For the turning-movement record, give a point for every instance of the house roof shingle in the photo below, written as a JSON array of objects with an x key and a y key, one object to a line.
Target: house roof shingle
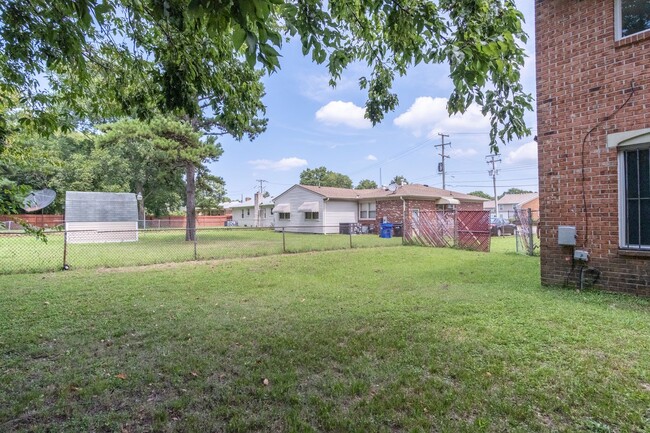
[{"x": 412, "y": 191}]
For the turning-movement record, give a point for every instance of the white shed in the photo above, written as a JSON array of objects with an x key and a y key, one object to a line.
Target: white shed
[{"x": 96, "y": 217}]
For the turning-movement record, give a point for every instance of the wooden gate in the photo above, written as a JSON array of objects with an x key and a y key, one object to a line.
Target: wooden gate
[
  {"x": 463, "y": 229},
  {"x": 473, "y": 230}
]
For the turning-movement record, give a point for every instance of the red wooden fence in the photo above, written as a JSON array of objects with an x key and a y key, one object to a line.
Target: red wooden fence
[{"x": 49, "y": 221}]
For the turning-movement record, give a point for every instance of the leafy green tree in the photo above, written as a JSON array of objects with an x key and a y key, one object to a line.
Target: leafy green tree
[
  {"x": 321, "y": 176},
  {"x": 481, "y": 42},
  {"x": 142, "y": 166},
  {"x": 367, "y": 184},
  {"x": 481, "y": 194},
  {"x": 515, "y": 191},
  {"x": 182, "y": 57},
  {"x": 210, "y": 192},
  {"x": 399, "y": 180}
]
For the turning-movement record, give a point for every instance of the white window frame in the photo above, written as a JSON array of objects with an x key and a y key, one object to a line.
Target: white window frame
[
  {"x": 284, "y": 216},
  {"x": 311, "y": 216},
  {"x": 623, "y": 141},
  {"x": 370, "y": 209},
  {"x": 618, "y": 22}
]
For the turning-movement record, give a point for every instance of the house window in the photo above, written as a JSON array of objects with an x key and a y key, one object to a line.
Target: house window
[
  {"x": 284, "y": 215},
  {"x": 368, "y": 210},
  {"x": 635, "y": 199},
  {"x": 311, "y": 215},
  {"x": 248, "y": 212},
  {"x": 631, "y": 17},
  {"x": 242, "y": 213}
]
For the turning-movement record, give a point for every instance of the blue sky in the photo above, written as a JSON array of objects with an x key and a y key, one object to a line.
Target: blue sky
[{"x": 312, "y": 125}]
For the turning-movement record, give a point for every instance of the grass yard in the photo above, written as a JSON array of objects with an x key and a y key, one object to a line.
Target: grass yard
[
  {"x": 362, "y": 340},
  {"x": 21, "y": 253}
]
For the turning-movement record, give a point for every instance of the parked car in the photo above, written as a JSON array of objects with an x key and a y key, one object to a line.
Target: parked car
[{"x": 501, "y": 226}]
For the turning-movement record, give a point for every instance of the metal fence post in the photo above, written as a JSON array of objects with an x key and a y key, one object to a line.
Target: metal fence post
[
  {"x": 350, "y": 236},
  {"x": 531, "y": 244},
  {"x": 195, "y": 255},
  {"x": 65, "y": 250},
  {"x": 284, "y": 244}
]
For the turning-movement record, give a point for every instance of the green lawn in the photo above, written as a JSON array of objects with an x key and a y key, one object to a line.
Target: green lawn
[
  {"x": 21, "y": 253},
  {"x": 365, "y": 340}
]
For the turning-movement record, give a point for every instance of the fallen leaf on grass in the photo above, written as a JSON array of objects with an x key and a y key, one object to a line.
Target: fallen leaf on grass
[
  {"x": 121, "y": 376},
  {"x": 265, "y": 382},
  {"x": 194, "y": 373}
]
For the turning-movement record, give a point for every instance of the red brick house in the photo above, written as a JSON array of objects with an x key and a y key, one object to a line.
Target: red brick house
[
  {"x": 316, "y": 209},
  {"x": 593, "y": 91}
]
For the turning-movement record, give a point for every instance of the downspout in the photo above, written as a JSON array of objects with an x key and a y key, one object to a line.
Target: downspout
[
  {"x": 403, "y": 218},
  {"x": 324, "y": 213}
]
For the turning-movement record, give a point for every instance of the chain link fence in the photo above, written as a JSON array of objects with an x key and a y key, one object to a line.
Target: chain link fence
[
  {"x": 23, "y": 253},
  {"x": 526, "y": 233}
]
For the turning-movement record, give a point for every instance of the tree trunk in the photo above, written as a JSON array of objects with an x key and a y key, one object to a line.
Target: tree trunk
[{"x": 190, "y": 204}]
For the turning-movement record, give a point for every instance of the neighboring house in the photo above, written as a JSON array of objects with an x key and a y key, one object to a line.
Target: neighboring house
[
  {"x": 509, "y": 202},
  {"x": 253, "y": 212},
  {"x": 227, "y": 207},
  {"x": 314, "y": 209},
  {"x": 593, "y": 91}
]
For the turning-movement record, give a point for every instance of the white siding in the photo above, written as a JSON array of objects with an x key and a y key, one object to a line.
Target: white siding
[
  {"x": 337, "y": 212},
  {"x": 249, "y": 220},
  {"x": 100, "y": 232},
  {"x": 296, "y": 196}
]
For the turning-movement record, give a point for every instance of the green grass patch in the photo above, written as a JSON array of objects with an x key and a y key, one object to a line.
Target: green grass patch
[
  {"x": 381, "y": 340},
  {"x": 20, "y": 253}
]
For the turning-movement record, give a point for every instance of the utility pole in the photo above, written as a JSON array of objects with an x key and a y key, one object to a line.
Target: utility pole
[
  {"x": 493, "y": 172},
  {"x": 261, "y": 181},
  {"x": 441, "y": 166}
]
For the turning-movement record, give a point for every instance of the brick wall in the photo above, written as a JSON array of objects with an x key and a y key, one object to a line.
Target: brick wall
[
  {"x": 393, "y": 209},
  {"x": 470, "y": 206},
  {"x": 583, "y": 76}
]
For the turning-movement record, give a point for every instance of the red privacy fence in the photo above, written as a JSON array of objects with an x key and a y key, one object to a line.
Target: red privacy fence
[{"x": 50, "y": 221}]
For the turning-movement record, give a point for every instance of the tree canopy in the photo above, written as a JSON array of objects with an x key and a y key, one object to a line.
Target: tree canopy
[
  {"x": 367, "y": 184},
  {"x": 515, "y": 191},
  {"x": 158, "y": 42},
  {"x": 321, "y": 176},
  {"x": 481, "y": 194},
  {"x": 66, "y": 60},
  {"x": 399, "y": 180}
]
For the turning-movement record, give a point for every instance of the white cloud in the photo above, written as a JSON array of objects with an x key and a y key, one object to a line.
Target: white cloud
[
  {"x": 462, "y": 153},
  {"x": 283, "y": 164},
  {"x": 371, "y": 157},
  {"x": 524, "y": 153},
  {"x": 343, "y": 113},
  {"x": 429, "y": 116}
]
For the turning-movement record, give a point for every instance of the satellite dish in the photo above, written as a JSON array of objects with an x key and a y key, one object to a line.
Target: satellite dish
[
  {"x": 392, "y": 187},
  {"x": 37, "y": 200}
]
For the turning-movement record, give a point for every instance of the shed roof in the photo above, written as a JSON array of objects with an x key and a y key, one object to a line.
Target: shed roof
[{"x": 90, "y": 206}]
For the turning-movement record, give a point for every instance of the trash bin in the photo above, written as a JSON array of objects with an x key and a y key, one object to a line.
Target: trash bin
[
  {"x": 398, "y": 230},
  {"x": 386, "y": 231}
]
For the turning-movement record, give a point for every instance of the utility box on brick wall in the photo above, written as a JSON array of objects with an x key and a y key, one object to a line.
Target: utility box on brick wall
[{"x": 566, "y": 235}]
